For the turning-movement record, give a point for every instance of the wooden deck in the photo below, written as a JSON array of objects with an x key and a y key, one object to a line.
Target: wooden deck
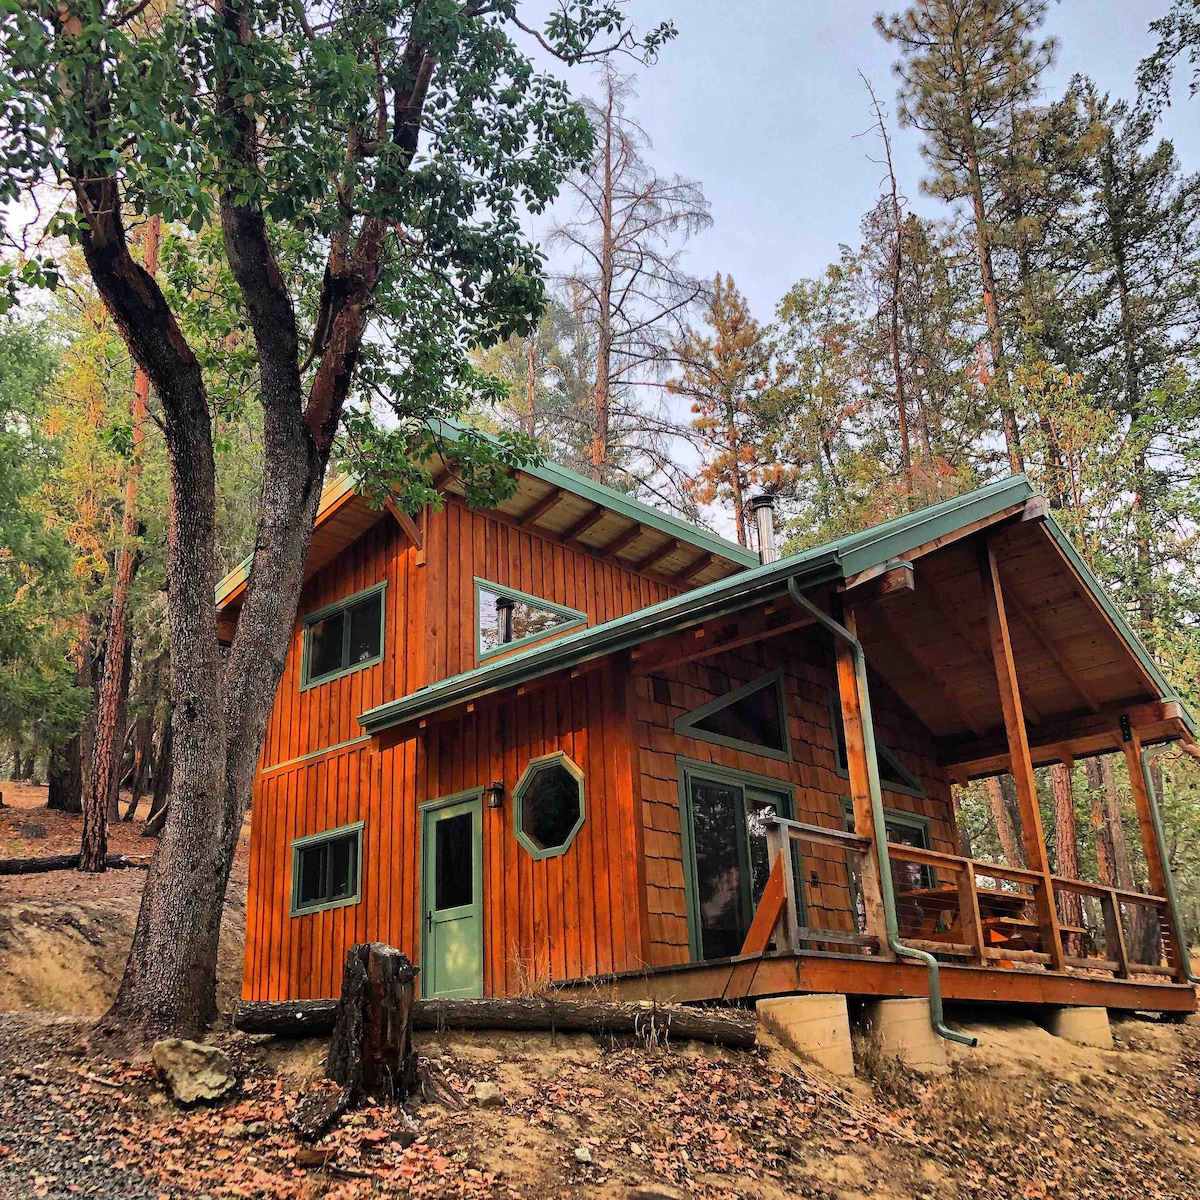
[{"x": 751, "y": 976}]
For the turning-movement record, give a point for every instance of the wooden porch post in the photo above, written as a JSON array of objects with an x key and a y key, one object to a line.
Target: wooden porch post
[
  {"x": 1156, "y": 870},
  {"x": 860, "y": 792},
  {"x": 1018, "y": 750}
]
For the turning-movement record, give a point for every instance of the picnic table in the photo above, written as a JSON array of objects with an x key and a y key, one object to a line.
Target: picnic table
[{"x": 1001, "y": 914}]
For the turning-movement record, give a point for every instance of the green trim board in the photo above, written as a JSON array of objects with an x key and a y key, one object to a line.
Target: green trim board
[
  {"x": 303, "y": 758},
  {"x": 689, "y": 724},
  {"x": 902, "y": 779},
  {"x": 572, "y": 618},
  {"x": 833, "y": 563},
  {"x": 300, "y": 844},
  {"x": 463, "y": 923},
  {"x": 343, "y": 605},
  {"x": 1113, "y": 613},
  {"x": 689, "y": 769},
  {"x": 533, "y": 768}
]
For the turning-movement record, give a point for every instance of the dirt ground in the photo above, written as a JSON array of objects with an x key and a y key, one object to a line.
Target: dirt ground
[
  {"x": 1024, "y": 1116},
  {"x": 64, "y": 935}
]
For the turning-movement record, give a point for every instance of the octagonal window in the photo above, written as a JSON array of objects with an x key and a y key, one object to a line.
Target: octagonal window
[{"x": 548, "y": 805}]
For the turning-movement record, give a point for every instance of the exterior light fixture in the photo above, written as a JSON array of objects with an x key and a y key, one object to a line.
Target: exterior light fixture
[{"x": 494, "y": 793}]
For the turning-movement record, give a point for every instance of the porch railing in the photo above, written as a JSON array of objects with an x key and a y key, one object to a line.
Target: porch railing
[
  {"x": 780, "y": 911},
  {"x": 962, "y": 909}
]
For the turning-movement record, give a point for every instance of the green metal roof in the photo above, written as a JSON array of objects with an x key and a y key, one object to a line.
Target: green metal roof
[
  {"x": 619, "y": 502},
  {"x": 833, "y": 561},
  {"x": 555, "y": 476}
]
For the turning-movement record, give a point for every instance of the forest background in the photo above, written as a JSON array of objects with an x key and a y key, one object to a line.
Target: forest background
[{"x": 1024, "y": 296}]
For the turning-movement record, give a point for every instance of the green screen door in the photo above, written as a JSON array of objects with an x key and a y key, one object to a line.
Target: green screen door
[{"x": 452, "y": 887}]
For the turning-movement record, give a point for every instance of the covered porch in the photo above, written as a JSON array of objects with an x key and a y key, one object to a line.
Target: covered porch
[{"x": 999, "y": 640}]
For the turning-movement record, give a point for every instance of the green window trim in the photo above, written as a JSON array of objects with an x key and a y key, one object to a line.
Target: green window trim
[
  {"x": 534, "y": 767},
  {"x": 910, "y": 787},
  {"x": 313, "y": 839},
  {"x": 685, "y": 725},
  {"x": 686, "y": 770},
  {"x": 572, "y": 618},
  {"x": 895, "y": 816},
  {"x": 310, "y": 619}
]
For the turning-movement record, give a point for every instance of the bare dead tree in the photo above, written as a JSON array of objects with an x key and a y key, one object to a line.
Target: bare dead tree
[{"x": 626, "y": 232}]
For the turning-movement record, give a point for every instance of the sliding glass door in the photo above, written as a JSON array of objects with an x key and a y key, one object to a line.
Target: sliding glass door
[{"x": 725, "y": 851}]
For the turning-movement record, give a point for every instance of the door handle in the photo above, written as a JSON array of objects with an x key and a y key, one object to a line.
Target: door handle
[{"x": 429, "y": 921}]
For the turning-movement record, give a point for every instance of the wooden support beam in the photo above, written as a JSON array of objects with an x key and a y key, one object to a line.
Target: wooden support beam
[
  {"x": 1052, "y": 652},
  {"x": 968, "y": 912},
  {"x": 406, "y": 523},
  {"x": 770, "y": 908},
  {"x": 860, "y": 789},
  {"x": 623, "y": 539},
  {"x": 1076, "y": 737},
  {"x": 594, "y": 517},
  {"x": 680, "y": 578},
  {"x": 541, "y": 507},
  {"x": 657, "y": 555},
  {"x": 442, "y": 478},
  {"x": 924, "y": 663},
  {"x": 1114, "y": 933},
  {"x": 1018, "y": 748},
  {"x": 1156, "y": 869},
  {"x": 897, "y": 578}
]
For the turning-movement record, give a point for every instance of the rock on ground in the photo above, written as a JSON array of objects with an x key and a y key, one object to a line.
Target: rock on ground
[{"x": 193, "y": 1073}]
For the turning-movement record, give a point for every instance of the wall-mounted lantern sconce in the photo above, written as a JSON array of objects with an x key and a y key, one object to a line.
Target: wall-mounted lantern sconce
[{"x": 494, "y": 793}]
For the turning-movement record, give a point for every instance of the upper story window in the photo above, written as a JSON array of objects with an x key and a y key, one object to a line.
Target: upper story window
[
  {"x": 343, "y": 637},
  {"x": 893, "y": 775},
  {"x": 506, "y": 618},
  {"x": 752, "y": 717}
]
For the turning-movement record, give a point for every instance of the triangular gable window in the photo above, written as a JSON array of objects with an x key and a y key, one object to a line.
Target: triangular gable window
[
  {"x": 506, "y": 618},
  {"x": 892, "y": 774},
  {"x": 752, "y": 717}
]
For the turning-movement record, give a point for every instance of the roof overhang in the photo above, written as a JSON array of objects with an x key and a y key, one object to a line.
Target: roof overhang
[
  {"x": 549, "y": 500},
  {"x": 845, "y": 563}
]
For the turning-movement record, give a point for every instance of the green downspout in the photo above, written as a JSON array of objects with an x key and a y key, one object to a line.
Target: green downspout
[
  {"x": 880, "y": 835},
  {"x": 1149, "y": 753}
]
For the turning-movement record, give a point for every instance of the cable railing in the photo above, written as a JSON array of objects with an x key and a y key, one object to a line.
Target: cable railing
[{"x": 959, "y": 909}]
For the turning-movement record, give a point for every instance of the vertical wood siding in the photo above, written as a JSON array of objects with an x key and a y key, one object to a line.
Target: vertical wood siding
[
  {"x": 531, "y": 930},
  {"x": 575, "y": 914},
  {"x": 809, "y": 680}
]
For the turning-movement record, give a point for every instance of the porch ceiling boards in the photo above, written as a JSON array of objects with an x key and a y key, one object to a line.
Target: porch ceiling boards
[{"x": 1076, "y": 672}]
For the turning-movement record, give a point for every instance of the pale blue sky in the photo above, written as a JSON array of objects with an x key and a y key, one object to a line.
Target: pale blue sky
[{"x": 760, "y": 101}]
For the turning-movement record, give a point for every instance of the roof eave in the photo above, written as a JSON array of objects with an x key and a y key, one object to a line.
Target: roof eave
[{"x": 574, "y": 650}]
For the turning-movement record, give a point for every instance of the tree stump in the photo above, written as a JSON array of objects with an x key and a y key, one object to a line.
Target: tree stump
[{"x": 371, "y": 1050}]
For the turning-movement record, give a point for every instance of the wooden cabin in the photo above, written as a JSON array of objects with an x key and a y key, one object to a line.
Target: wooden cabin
[{"x": 575, "y": 740}]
